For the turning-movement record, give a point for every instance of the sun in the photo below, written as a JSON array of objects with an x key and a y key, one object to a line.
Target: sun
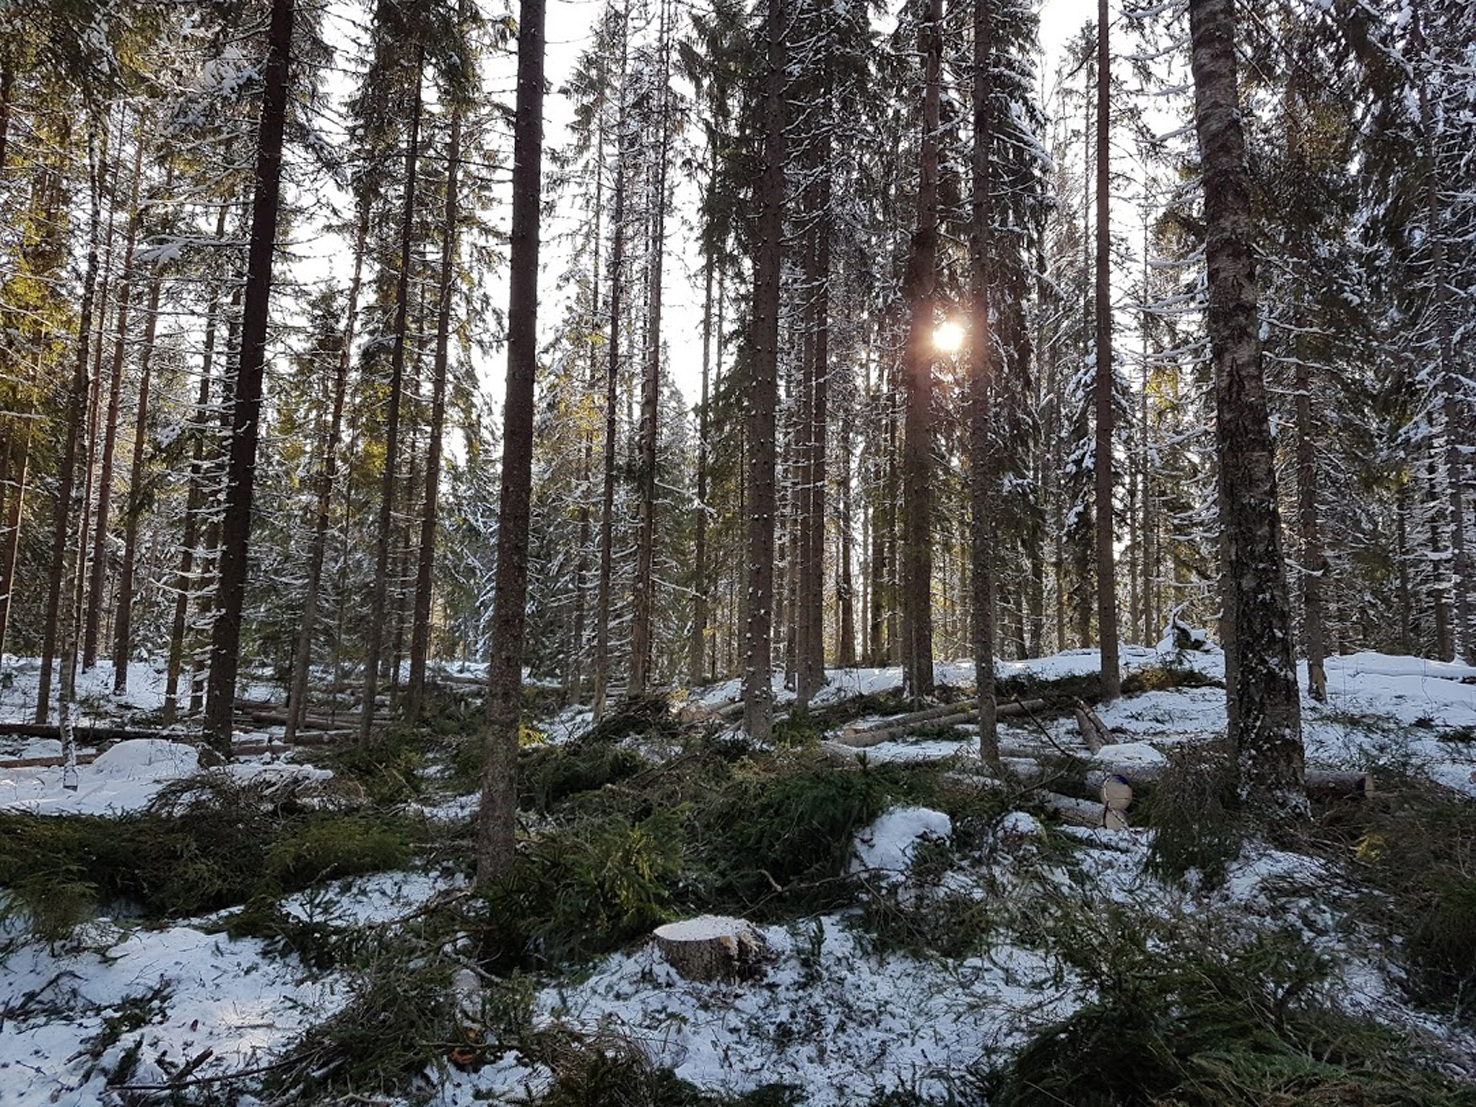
[{"x": 948, "y": 337}]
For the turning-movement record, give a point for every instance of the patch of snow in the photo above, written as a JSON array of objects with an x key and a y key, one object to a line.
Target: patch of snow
[
  {"x": 228, "y": 997},
  {"x": 889, "y": 844},
  {"x": 1130, "y": 753}
]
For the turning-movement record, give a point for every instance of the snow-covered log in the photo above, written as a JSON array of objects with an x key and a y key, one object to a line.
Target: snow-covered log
[{"x": 875, "y": 734}]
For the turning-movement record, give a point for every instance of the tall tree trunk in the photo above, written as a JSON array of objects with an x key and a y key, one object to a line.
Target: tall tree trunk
[
  {"x": 426, "y": 558},
  {"x": 498, "y": 816},
  {"x": 235, "y": 530},
  {"x": 698, "y": 642},
  {"x": 1102, "y": 468},
  {"x": 1462, "y": 637},
  {"x": 758, "y": 688},
  {"x": 845, "y": 583},
  {"x": 123, "y": 641},
  {"x": 981, "y": 361},
  {"x": 574, "y": 677},
  {"x": 812, "y": 664},
  {"x": 110, "y": 426},
  {"x": 644, "y": 609},
  {"x": 1314, "y": 564},
  {"x": 612, "y": 389},
  {"x": 65, "y": 567},
  {"x": 194, "y": 504},
  {"x": 19, "y": 471},
  {"x": 917, "y": 569},
  {"x": 327, "y": 478},
  {"x": 1265, "y": 719},
  {"x": 385, "y": 528}
]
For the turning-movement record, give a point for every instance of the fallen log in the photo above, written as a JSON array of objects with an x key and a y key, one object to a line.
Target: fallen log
[
  {"x": 83, "y": 732},
  {"x": 1093, "y": 731},
  {"x": 1080, "y": 812},
  {"x": 876, "y": 733}
]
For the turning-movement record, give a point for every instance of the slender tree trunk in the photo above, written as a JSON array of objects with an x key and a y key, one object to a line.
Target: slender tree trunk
[
  {"x": 194, "y": 504},
  {"x": 645, "y": 583},
  {"x": 845, "y": 584},
  {"x": 123, "y": 641},
  {"x": 65, "y": 567},
  {"x": 698, "y": 642},
  {"x": 758, "y": 688},
  {"x": 917, "y": 574},
  {"x": 812, "y": 665},
  {"x": 1265, "y": 720},
  {"x": 612, "y": 388},
  {"x": 425, "y": 561},
  {"x": 1314, "y": 564},
  {"x": 327, "y": 479},
  {"x": 110, "y": 426},
  {"x": 498, "y": 817},
  {"x": 384, "y": 531},
  {"x": 61, "y": 547},
  {"x": 20, "y": 469},
  {"x": 225, "y": 657},
  {"x": 1461, "y": 641},
  {"x": 1103, "y": 468},
  {"x": 981, "y": 361}
]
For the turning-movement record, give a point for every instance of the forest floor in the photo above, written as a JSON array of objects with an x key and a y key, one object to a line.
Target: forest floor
[{"x": 300, "y": 928}]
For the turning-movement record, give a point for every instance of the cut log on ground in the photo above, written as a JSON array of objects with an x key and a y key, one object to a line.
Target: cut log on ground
[
  {"x": 1080, "y": 812},
  {"x": 1093, "y": 731},
  {"x": 713, "y": 947},
  {"x": 862, "y": 736},
  {"x": 83, "y": 733}
]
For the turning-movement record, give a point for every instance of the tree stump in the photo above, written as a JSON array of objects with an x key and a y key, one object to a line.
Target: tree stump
[{"x": 713, "y": 947}]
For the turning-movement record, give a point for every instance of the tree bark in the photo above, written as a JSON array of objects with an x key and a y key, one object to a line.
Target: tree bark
[
  {"x": 327, "y": 478},
  {"x": 612, "y": 386},
  {"x": 110, "y": 426},
  {"x": 426, "y": 556},
  {"x": 981, "y": 358},
  {"x": 644, "y": 608},
  {"x": 498, "y": 816},
  {"x": 758, "y": 689},
  {"x": 917, "y": 568},
  {"x": 61, "y": 545},
  {"x": 1102, "y": 468},
  {"x": 1265, "y": 720},
  {"x": 225, "y": 643},
  {"x": 385, "y": 528}
]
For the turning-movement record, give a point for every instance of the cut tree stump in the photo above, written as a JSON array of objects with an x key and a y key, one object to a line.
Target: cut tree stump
[{"x": 713, "y": 947}]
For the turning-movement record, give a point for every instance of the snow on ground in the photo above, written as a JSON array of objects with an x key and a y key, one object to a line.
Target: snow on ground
[
  {"x": 373, "y": 900},
  {"x": 829, "y": 1016},
  {"x": 20, "y": 685},
  {"x": 889, "y": 844},
  {"x": 126, "y": 777},
  {"x": 171, "y": 995}
]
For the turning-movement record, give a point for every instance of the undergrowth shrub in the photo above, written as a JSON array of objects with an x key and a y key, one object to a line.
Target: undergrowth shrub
[
  {"x": 400, "y": 1021},
  {"x": 388, "y": 768},
  {"x": 1415, "y": 844},
  {"x": 585, "y": 889},
  {"x": 1197, "y": 827},
  {"x": 647, "y": 715},
  {"x": 548, "y": 775},
  {"x": 338, "y": 846},
  {"x": 1194, "y": 1018},
  {"x": 204, "y": 843},
  {"x": 797, "y": 826}
]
